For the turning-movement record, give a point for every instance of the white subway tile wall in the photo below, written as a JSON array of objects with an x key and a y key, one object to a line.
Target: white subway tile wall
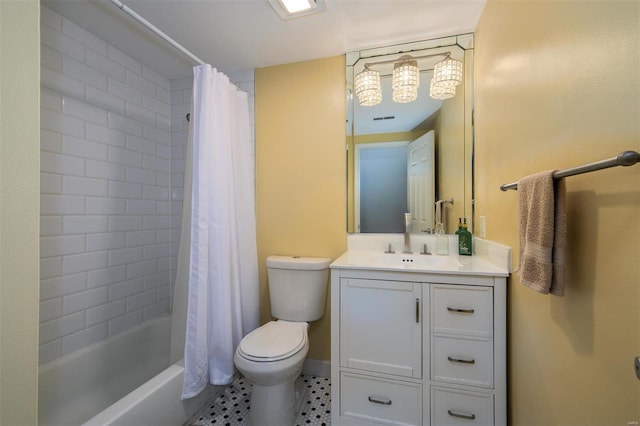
[{"x": 113, "y": 144}]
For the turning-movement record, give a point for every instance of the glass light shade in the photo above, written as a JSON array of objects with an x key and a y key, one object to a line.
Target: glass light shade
[
  {"x": 368, "y": 89},
  {"x": 406, "y": 80},
  {"x": 447, "y": 73},
  {"x": 446, "y": 92}
]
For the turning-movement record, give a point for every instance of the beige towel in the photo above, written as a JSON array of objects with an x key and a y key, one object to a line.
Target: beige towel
[{"x": 542, "y": 211}]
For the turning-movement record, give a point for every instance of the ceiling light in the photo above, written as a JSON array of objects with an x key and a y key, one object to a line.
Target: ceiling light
[
  {"x": 441, "y": 92},
  {"x": 289, "y": 9},
  {"x": 447, "y": 73},
  {"x": 295, "y": 6},
  {"x": 368, "y": 88},
  {"x": 406, "y": 80}
]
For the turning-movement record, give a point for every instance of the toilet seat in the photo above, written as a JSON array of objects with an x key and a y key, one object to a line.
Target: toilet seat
[{"x": 274, "y": 341}]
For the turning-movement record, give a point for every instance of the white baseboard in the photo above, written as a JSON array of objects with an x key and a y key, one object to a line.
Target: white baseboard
[{"x": 316, "y": 367}]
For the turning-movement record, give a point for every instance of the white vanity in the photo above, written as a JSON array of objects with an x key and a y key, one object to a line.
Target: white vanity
[{"x": 419, "y": 339}]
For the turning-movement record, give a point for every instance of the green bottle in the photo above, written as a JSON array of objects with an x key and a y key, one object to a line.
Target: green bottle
[{"x": 464, "y": 240}]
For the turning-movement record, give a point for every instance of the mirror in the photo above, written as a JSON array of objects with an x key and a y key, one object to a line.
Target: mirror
[{"x": 403, "y": 157}]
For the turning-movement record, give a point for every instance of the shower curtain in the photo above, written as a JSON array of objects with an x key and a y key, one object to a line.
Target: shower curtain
[{"x": 218, "y": 255}]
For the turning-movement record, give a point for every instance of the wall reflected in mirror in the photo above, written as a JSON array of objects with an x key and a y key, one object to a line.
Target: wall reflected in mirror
[{"x": 403, "y": 157}]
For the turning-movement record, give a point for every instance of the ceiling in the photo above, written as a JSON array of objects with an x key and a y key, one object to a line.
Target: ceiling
[{"x": 235, "y": 35}]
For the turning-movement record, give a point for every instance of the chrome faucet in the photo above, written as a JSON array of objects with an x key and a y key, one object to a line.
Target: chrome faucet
[{"x": 407, "y": 233}]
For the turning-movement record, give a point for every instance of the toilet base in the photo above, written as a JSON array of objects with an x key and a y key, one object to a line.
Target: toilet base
[
  {"x": 275, "y": 405},
  {"x": 301, "y": 392}
]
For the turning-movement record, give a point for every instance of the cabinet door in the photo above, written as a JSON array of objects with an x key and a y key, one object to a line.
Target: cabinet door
[{"x": 380, "y": 326}]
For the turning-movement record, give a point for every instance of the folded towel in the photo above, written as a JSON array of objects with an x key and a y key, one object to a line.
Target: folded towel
[{"x": 543, "y": 232}]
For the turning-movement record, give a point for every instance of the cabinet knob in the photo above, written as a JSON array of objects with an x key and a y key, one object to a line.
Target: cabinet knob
[
  {"x": 381, "y": 401},
  {"x": 462, "y": 415}
]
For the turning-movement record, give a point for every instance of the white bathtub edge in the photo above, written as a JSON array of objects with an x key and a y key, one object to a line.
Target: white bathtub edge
[
  {"x": 155, "y": 403},
  {"x": 76, "y": 387}
]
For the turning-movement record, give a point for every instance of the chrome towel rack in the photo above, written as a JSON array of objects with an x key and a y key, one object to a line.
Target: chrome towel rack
[{"x": 626, "y": 158}]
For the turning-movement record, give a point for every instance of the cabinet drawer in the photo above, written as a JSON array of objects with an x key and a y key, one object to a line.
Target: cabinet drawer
[
  {"x": 380, "y": 400},
  {"x": 463, "y": 361},
  {"x": 462, "y": 310},
  {"x": 451, "y": 407}
]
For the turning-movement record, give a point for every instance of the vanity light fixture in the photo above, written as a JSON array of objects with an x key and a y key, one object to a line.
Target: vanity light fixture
[
  {"x": 290, "y": 9},
  {"x": 406, "y": 79},
  {"x": 368, "y": 88},
  {"x": 447, "y": 74},
  {"x": 441, "y": 92}
]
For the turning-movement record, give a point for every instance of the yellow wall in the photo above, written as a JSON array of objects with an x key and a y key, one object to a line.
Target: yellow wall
[
  {"x": 19, "y": 210},
  {"x": 301, "y": 171},
  {"x": 557, "y": 85}
]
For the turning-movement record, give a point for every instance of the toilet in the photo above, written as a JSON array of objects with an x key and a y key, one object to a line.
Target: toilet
[{"x": 271, "y": 356}]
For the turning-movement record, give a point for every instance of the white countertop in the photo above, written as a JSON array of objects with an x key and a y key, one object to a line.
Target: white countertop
[
  {"x": 489, "y": 259},
  {"x": 452, "y": 264}
]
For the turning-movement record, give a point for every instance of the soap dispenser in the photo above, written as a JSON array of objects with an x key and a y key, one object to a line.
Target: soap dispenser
[{"x": 464, "y": 240}]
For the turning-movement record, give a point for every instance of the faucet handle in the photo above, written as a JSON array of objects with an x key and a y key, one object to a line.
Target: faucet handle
[
  {"x": 425, "y": 250},
  {"x": 389, "y": 251}
]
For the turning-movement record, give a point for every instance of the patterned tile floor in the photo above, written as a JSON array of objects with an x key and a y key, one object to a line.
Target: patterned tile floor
[{"x": 231, "y": 408}]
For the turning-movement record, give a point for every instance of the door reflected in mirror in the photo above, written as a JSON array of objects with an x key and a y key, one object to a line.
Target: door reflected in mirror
[{"x": 403, "y": 157}]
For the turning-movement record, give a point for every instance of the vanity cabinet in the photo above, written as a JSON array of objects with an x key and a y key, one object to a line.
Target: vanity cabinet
[{"x": 413, "y": 348}]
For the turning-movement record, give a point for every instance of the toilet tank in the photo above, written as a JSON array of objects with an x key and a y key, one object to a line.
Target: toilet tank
[{"x": 297, "y": 287}]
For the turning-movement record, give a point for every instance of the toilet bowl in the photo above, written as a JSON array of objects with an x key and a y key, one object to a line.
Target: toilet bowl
[{"x": 271, "y": 356}]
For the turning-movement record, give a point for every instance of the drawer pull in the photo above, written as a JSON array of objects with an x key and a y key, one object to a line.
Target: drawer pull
[
  {"x": 383, "y": 401},
  {"x": 461, "y": 415},
  {"x": 460, "y": 310},
  {"x": 462, "y": 361},
  {"x": 417, "y": 310}
]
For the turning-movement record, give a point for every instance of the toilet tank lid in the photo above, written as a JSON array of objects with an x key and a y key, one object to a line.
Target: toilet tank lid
[{"x": 298, "y": 262}]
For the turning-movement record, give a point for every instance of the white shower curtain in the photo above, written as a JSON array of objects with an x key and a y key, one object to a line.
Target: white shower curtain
[{"x": 218, "y": 255}]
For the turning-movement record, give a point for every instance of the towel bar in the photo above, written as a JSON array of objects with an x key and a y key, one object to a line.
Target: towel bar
[{"x": 626, "y": 158}]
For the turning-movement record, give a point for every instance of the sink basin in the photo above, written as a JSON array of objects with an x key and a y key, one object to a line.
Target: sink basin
[{"x": 416, "y": 261}]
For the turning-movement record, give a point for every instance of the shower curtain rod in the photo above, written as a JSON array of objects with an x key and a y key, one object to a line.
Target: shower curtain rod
[
  {"x": 126, "y": 9},
  {"x": 626, "y": 158}
]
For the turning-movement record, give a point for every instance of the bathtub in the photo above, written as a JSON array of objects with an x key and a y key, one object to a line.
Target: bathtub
[
  {"x": 123, "y": 380},
  {"x": 155, "y": 403}
]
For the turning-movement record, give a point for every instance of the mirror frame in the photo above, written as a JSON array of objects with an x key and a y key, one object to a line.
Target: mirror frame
[{"x": 462, "y": 41}]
